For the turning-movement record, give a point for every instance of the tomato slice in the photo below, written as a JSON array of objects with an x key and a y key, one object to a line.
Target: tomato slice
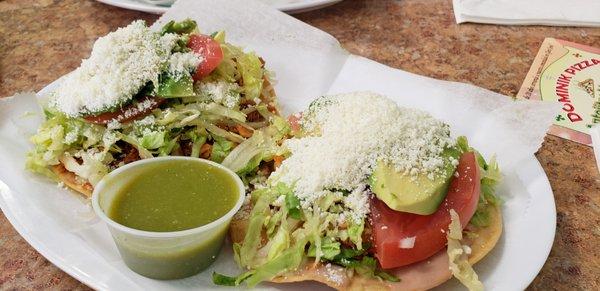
[
  {"x": 294, "y": 121},
  {"x": 394, "y": 232},
  {"x": 210, "y": 50},
  {"x": 129, "y": 112}
]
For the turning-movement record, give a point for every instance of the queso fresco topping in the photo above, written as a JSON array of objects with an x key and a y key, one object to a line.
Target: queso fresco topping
[
  {"x": 120, "y": 65},
  {"x": 347, "y": 135}
]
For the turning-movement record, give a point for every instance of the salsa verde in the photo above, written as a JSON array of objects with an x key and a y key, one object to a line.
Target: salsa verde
[{"x": 173, "y": 196}]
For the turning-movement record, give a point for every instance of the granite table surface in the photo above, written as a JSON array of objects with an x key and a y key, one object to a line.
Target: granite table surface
[{"x": 40, "y": 40}]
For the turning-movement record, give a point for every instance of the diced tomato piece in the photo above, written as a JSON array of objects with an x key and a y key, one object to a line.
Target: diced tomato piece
[
  {"x": 211, "y": 52},
  {"x": 294, "y": 121},
  {"x": 402, "y": 238}
]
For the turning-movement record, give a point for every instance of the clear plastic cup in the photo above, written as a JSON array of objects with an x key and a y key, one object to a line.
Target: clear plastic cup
[{"x": 163, "y": 255}]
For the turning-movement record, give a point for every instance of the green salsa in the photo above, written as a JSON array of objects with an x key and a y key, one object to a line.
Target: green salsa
[{"x": 173, "y": 196}]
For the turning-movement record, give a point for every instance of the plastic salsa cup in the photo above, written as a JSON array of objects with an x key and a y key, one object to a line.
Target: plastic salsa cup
[{"x": 163, "y": 255}]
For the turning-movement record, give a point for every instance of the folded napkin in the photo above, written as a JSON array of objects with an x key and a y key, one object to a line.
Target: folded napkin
[{"x": 529, "y": 12}]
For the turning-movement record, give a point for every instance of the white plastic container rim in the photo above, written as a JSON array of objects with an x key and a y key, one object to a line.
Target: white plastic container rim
[{"x": 170, "y": 234}]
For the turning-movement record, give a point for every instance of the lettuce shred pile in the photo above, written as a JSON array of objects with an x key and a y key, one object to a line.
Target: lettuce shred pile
[{"x": 459, "y": 264}]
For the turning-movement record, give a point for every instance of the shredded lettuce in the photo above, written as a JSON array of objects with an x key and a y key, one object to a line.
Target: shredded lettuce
[
  {"x": 288, "y": 260},
  {"x": 286, "y": 248},
  {"x": 490, "y": 178},
  {"x": 49, "y": 148},
  {"x": 223, "y": 112},
  {"x": 143, "y": 152},
  {"x": 238, "y": 65},
  {"x": 227, "y": 69},
  {"x": 219, "y": 132},
  {"x": 57, "y": 135},
  {"x": 252, "y": 72},
  {"x": 247, "y": 155},
  {"x": 355, "y": 233},
  {"x": 221, "y": 148},
  {"x": 459, "y": 264},
  {"x": 153, "y": 140},
  {"x": 272, "y": 222},
  {"x": 223, "y": 280},
  {"x": 261, "y": 146},
  {"x": 292, "y": 204},
  {"x": 179, "y": 27},
  {"x": 279, "y": 242},
  {"x": 280, "y": 127},
  {"x": 93, "y": 166},
  {"x": 260, "y": 211},
  {"x": 330, "y": 248},
  {"x": 292, "y": 237},
  {"x": 362, "y": 263},
  {"x": 197, "y": 140},
  {"x": 168, "y": 146}
]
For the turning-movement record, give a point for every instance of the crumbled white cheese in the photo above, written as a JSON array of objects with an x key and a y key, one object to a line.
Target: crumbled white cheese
[
  {"x": 121, "y": 63},
  {"x": 61, "y": 185},
  {"x": 407, "y": 243},
  {"x": 168, "y": 41},
  {"x": 92, "y": 154},
  {"x": 347, "y": 135},
  {"x": 146, "y": 121},
  {"x": 467, "y": 249},
  {"x": 279, "y": 202},
  {"x": 357, "y": 202},
  {"x": 92, "y": 167},
  {"x": 49, "y": 156},
  {"x": 335, "y": 274},
  {"x": 454, "y": 161},
  {"x": 113, "y": 124},
  {"x": 181, "y": 63},
  {"x": 221, "y": 92},
  {"x": 71, "y": 137},
  {"x": 142, "y": 106},
  {"x": 108, "y": 139},
  {"x": 341, "y": 219}
]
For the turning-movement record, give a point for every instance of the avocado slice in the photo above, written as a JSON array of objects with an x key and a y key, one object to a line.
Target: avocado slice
[
  {"x": 171, "y": 87},
  {"x": 418, "y": 194}
]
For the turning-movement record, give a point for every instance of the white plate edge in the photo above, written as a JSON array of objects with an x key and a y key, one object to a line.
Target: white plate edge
[
  {"x": 544, "y": 185},
  {"x": 289, "y": 8}
]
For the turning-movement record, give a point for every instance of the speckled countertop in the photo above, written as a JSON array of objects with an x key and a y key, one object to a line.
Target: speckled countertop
[{"x": 40, "y": 40}]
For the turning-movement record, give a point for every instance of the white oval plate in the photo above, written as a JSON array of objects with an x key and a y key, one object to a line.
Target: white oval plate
[
  {"x": 62, "y": 227},
  {"x": 289, "y": 6}
]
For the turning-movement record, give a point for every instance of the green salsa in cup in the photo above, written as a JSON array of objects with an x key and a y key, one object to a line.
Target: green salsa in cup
[
  {"x": 174, "y": 195},
  {"x": 169, "y": 216}
]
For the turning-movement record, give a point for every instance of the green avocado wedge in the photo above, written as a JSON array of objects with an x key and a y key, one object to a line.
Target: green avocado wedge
[
  {"x": 173, "y": 88},
  {"x": 413, "y": 194}
]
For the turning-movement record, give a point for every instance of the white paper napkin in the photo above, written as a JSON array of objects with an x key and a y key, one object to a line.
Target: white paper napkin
[{"x": 529, "y": 12}]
